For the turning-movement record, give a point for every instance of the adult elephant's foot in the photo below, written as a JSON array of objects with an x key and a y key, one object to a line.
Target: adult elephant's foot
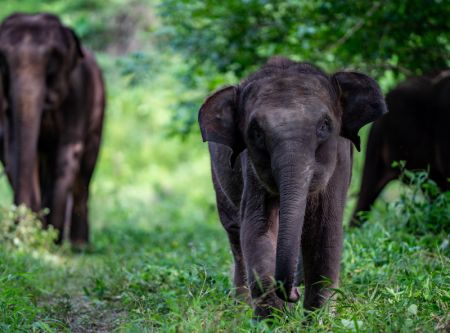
[{"x": 80, "y": 245}]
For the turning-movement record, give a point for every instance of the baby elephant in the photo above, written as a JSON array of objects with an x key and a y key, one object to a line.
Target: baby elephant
[
  {"x": 416, "y": 130},
  {"x": 51, "y": 116},
  {"x": 281, "y": 165}
]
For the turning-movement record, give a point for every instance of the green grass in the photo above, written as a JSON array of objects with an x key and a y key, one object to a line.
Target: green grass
[{"x": 160, "y": 261}]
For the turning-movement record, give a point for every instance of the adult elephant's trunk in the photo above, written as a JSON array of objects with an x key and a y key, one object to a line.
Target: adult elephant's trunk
[
  {"x": 27, "y": 103},
  {"x": 293, "y": 182}
]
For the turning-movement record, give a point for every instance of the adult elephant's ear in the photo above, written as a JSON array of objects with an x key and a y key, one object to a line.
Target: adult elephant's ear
[
  {"x": 3, "y": 79},
  {"x": 218, "y": 120},
  {"x": 361, "y": 100},
  {"x": 74, "y": 44}
]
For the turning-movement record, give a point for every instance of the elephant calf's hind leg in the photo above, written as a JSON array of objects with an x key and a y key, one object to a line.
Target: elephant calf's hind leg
[{"x": 230, "y": 220}]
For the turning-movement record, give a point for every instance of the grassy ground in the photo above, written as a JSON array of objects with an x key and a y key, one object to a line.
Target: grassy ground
[{"x": 159, "y": 260}]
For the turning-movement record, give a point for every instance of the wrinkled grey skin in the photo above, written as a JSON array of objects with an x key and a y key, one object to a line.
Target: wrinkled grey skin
[
  {"x": 51, "y": 117},
  {"x": 416, "y": 131},
  {"x": 281, "y": 165}
]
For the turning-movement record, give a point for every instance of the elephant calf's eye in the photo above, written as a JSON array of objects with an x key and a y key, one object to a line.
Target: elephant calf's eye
[
  {"x": 256, "y": 136},
  {"x": 324, "y": 128}
]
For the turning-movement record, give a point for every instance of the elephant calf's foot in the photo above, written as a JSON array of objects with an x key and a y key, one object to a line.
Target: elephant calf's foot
[
  {"x": 326, "y": 297},
  {"x": 267, "y": 306},
  {"x": 242, "y": 294}
]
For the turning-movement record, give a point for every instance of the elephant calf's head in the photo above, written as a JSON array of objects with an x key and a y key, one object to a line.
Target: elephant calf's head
[{"x": 289, "y": 116}]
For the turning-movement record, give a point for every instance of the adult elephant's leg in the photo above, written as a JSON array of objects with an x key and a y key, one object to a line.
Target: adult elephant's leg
[
  {"x": 47, "y": 165},
  {"x": 259, "y": 238},
  {"x": 79, "y": 227},
  {"x": 376, "y": 174},
  {"x": 7, "y": 145},
  {"x": 5, "y": 156},
  {"x": 67, "y": 168}
]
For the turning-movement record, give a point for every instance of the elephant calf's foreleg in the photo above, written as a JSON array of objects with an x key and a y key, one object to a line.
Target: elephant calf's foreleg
[
  {"x": 321, "y": 254},
  {"x": 258, "y": 238}
]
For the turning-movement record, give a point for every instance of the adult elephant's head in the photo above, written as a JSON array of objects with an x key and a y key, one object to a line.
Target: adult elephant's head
[
  {"x": 290, "y": 116},
  {"x": 37, "y": 58}
]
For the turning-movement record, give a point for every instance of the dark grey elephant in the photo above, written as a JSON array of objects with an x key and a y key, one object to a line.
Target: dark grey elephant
[
  {"x": 281, "y": 167},
  {"x": 51, "y": 117},
  {"x": 416, "y": 131}
]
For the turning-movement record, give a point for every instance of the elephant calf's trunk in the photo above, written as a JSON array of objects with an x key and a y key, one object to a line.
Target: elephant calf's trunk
[{"x": 293, "y": 186}]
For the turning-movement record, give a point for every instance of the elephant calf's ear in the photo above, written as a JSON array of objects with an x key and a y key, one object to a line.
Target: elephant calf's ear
[
  {"x": 361, "y": 100},
  {"x": 218, "y": 120}
]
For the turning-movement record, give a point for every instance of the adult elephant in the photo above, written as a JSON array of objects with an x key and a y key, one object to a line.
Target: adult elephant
[
  {"x": 416, "y": 130},
  {"x": 52, "y": 105}
]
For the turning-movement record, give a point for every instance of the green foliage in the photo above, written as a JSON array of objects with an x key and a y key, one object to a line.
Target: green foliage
[
  {"x": 113, "y": 26},
  {"x": 22, "y": 238},
  {"x": 22, "y": 229},
  {"x": 18, "y": 310},
  {"x": 222, "y": 41},
  {"x": 137, "y": 67},
  {"x": 422, "y": 207},
  {"x": 407, "y": 36}
]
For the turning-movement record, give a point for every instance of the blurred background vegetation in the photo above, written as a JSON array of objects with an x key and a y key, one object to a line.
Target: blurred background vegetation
[
  {"x": 221, "y": 42},
  {"x": 159, "y": 259}
]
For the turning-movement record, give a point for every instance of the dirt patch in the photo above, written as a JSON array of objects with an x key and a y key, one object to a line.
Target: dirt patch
[{"x": 82, "y": 314}]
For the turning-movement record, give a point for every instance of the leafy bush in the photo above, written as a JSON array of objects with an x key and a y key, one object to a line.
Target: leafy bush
[
  {"x": 23, "y": 242},
  {"x": 20, "y": 228},
  {"x": 422, "y": 207}
]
